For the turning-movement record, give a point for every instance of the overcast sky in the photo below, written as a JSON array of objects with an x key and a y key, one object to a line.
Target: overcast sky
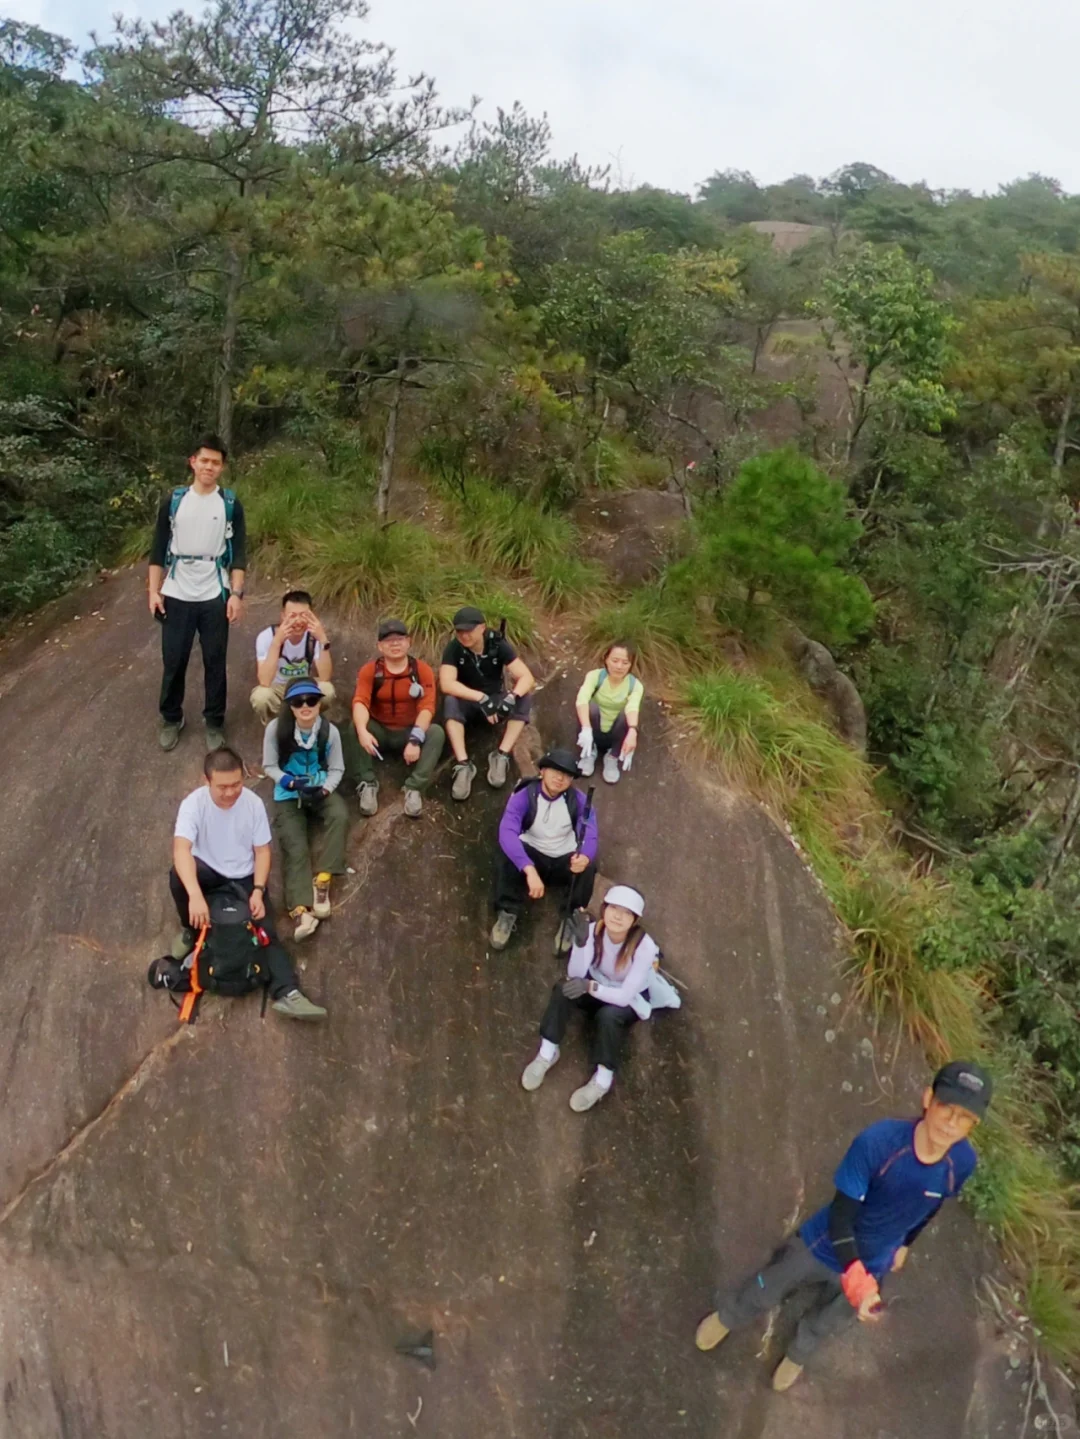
[{"x": 960, "y": 93}]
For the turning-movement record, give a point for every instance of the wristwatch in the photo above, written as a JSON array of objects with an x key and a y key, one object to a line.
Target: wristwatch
[
  {"x": 326, "y": 644},
  {"x": 260, "y": 887},
  {"x": 237, "y": 594}
]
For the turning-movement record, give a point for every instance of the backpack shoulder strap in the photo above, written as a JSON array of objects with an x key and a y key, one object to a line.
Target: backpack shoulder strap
[
  {"x": 322, "y": 742},
  {"x": 599, "y": 682},
  {"x": 309, "y": 648},
  {"x": 377, "y": 678}
]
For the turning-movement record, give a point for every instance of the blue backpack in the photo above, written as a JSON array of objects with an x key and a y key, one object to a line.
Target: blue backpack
[
  {"x": 224, "y": 561},
  {"x": 603, "y": 676}
]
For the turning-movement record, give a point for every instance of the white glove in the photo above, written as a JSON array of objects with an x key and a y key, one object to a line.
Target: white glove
[
  {"x": 626, "y": 761},
  {"x": 586, "y": 743}
]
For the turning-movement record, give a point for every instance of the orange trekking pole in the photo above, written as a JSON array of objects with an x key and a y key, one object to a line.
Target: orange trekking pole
[{"x": 191, "y": 999}]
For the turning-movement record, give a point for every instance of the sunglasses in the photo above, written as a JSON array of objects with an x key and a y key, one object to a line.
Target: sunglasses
[{"x": 303, "y": 702}]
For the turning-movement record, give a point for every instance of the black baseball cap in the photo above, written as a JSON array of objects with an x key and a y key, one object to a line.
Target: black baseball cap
[
  {"x": 965, "y": 1083},
  {"x": 392, "y": 627},
  {"x": 468, "y": 617},
  {"x": 561, "y": 759}
]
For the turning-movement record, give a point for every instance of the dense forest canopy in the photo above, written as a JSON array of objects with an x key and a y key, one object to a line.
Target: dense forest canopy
[{"x": 866, "y": 392}]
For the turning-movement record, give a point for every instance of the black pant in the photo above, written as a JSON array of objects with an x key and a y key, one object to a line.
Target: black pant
[
  {"x": 282, "y": 975},
  {"x": 184, "y": 619},
  {"x": 607, "y": 739},
  {"x": 512, "y": 888},
  {"x": 606, "y": 1033}
]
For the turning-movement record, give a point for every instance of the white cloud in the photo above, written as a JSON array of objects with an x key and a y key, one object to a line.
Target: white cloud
[{"x": 964, "y": 93}]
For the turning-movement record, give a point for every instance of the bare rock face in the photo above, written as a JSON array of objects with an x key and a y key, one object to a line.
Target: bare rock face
[
  {"x": 630, "y": 532},
  {"x": 230, "y": 1229},
  {"x": 825, "y": 678}
]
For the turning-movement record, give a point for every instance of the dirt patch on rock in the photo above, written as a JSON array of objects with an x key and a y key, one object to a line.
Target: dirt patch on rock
[{"x": 630, "y": 532}]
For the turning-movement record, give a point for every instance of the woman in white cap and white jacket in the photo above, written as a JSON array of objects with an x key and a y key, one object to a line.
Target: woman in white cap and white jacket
[{"x": 607, "y": 977}]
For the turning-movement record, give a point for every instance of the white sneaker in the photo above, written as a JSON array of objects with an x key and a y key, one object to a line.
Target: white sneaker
[
  {"x": 586, "y": 766},
  {"x": 305, "y": 924},
  {"x": 612, "y": 772},
  {"x": 368, "y": 793},
  {"x": 414, "y": 803},
  {"x": 585, "y": 1097},
  {"x": 535, "y": 1072}
]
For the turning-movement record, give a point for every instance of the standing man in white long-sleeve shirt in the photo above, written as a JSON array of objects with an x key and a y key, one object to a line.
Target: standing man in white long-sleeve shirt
[
  {"x": 196, "y": 587},
  {"x": 607, "y": 976}
]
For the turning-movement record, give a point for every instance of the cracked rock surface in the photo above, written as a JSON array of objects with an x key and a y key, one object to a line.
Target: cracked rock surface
[{"x": 227, "y": 1230}]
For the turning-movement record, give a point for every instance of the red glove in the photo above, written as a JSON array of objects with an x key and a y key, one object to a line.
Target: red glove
[{"x": 858, "y": 1284}]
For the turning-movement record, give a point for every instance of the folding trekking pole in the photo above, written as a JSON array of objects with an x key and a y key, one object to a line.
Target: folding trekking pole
[{"x": 582, "y": 826}]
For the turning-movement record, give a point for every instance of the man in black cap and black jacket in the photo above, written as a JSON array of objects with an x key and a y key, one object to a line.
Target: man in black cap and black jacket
[
  {"x": 545, "y": 837},
  {"x": 473, "y": 675},
  {"x": 893, "y": 1180}
]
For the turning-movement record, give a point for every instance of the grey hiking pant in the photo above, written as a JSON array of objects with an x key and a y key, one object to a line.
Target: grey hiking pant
[{"x": 791, "y": 1267}]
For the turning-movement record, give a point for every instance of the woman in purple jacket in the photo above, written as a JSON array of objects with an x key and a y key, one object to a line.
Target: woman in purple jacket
[
  {"x": 545, "y": 838},
  {"x": 607, "y": 979}
]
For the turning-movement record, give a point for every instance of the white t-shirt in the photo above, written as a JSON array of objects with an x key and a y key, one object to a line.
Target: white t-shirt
[
  {"x": 552, "y": 832},
  {"x": 292, "y": 661},
  {"x": 198, "y": 529},
  {"x": 225, "y": 839}
]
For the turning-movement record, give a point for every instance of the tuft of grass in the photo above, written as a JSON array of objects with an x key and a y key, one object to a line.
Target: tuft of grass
[
  {"x": 504, "y": 529},
  {"x": 564, "y": 580},
  {"x": 288, "y": 496},
  {"x": 662, "y": 624},
  {"x": 427, "y": 600},
  {"x": 363, "y": 566}
]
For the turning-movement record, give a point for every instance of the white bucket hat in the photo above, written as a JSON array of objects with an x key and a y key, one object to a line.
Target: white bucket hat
[{"x": 626, "y": 898}]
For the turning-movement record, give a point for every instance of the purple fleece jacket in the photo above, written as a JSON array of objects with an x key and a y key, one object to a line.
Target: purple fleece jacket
[{"x": 514, "y": 817}]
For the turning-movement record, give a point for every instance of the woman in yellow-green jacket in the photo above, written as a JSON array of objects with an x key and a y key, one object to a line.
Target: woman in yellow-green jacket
[{"x": 608, "y": 705}]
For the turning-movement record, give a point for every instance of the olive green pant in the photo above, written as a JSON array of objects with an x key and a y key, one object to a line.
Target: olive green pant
[
  {"x": 310, "y": 842},
  {"x": 393, "y": 741}
]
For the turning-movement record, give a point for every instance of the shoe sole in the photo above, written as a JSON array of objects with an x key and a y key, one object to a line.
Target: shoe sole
[
  {"x": 303, "y": 1018},
  {"x": 581, "y": 1107},
  {"x": 706, "y": 1336},
  {"x": 299, "y": 938},
  {"x": 323, "y": 911}
]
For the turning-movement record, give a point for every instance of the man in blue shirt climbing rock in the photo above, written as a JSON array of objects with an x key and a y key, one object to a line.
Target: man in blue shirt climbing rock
[{"x": 892, "y": 1181}]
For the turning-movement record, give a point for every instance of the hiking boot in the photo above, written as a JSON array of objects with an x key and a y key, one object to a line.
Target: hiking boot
[
  {"x": 586, "y": 766},
  {"x": 368, "y": 793},
  {"x": 215, "y": 738},
  {"x": 464, "y": 774},
  {"x": 612, "y": 772},
  {"x": 184, "y": 943},
  {"x": 305, "y": 923},
  {"x": 295, "y": 1005},
  {"x": 585, "y": 1097},
  {"x": 786, "y": 1374},
  {"x": 498, "y": 768},
  {"x": 535, "y": 1071},
  {"x": 321, "y": 907},
  {"x": 579, "y": 926},
  {"x": 711, "y": 1331},
  {"x": 502, "y": 929},
  {"x": 169, "y": 733},
  {"x": 414, "y": 803}
]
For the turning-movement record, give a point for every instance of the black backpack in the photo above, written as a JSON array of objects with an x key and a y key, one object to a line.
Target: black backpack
[{"x": 230, "y": 962}]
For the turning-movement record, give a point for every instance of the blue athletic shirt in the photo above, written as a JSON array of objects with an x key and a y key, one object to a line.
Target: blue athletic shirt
[{"x": 898, "y": 1193}]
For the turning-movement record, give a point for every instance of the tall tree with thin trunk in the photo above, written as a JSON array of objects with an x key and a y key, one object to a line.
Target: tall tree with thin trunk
[{"x": 238, "y": 96}]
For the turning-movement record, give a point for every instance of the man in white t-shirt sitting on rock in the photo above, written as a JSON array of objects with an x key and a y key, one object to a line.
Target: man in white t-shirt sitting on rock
[
  {"x": 297, "y": 647},
  {"x": 222, "y": 838},
  {"x": 196, "y": 587}
]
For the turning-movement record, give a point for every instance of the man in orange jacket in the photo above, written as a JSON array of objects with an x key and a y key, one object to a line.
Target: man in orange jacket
[{"x": 393, "y": 711}]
